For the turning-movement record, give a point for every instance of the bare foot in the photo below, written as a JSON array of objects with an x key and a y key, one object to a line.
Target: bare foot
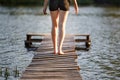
[
  {"x": 61, "y": 53},
  {"x": 55, "y": 52}
]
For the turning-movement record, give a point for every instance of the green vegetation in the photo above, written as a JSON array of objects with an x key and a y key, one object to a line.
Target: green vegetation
[
  {"x": 21, "y": 2},
  {"x": 85, "y": 2},
  {"x": 108, "y": 2},
  {"x": 40, "y": 2}
]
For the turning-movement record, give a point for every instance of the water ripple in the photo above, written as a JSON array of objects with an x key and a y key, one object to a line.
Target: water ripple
[{"x": 101, "y": 62}]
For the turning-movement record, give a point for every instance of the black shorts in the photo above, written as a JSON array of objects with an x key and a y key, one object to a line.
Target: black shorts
[{"x": 59, "y": 4}]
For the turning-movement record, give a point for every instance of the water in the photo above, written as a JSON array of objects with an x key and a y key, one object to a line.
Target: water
[{"x": 102, "y": 62}]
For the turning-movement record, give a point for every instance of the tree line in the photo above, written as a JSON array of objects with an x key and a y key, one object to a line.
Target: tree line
[{"x": 40, "y": 2}]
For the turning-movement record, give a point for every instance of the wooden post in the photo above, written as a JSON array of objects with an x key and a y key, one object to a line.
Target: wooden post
[
  {"x": 27, "y": 41},
  {"x": 28, "y": 38},
  {"x": 88, "y": 41}
]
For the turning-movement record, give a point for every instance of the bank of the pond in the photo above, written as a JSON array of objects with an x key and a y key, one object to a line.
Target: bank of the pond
[{"x": 40, "y": 2}]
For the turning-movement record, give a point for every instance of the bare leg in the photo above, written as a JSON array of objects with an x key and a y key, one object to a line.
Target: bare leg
[
  {"x": 62, "y": 23},
  {"x": 54, "y": 31}
]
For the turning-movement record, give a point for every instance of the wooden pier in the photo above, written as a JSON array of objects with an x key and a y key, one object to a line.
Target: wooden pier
[{"x": 47, "y": 66}]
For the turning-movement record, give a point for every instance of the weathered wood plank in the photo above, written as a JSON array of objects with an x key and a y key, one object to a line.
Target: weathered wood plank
[{"x": 47, "y": 66}]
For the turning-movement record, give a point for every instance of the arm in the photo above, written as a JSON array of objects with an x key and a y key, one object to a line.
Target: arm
[
  {"x": 45, "y": 6},
  {"x": 76, "y": 6}
]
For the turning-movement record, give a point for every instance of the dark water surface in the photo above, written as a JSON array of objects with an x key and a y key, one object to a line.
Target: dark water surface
[{"x": 102, "y": 62}]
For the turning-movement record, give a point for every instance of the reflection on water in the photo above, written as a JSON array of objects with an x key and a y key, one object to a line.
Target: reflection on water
[{"x": 100, "y": 63}]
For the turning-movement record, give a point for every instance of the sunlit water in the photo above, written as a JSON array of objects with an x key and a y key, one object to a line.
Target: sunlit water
[{"x": 101, "y": 62}]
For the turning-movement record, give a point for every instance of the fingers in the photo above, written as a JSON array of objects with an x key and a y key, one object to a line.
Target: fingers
[
  {"x": 44, "y": 11},
  {"x": 76, "y": 11}
]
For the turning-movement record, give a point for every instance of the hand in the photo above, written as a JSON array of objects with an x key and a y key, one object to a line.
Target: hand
[
  {"x": 44, "y": 11},
  {"x": 76, "y": 11},
  {"x": 76, "y": 7},
  {"x": 45, "y": 7}
]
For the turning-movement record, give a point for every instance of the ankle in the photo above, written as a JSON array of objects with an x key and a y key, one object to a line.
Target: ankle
[
  {"x": 61, "y": 52},
  {"x": 55, "y": 51}
]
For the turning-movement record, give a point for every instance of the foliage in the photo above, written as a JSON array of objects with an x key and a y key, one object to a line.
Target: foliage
[
  {"x": 21, "y": 2},
  {"x": 40, "y": 2},
  {"x": 85, "y": 2},
  {"x": 110, "y": 2}
]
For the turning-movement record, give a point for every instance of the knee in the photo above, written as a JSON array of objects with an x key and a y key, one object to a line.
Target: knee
[
  {"x": 61, "y": 26},
  {"x": 55, "y": 25}
]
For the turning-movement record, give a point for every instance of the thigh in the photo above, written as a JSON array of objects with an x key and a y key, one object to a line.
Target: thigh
[
  {"x": 63, "y": 17},
  {"x": 54, "y": 17}
]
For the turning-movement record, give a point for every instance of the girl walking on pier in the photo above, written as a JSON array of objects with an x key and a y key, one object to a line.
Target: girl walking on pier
[{"x": 59, "y": 10}]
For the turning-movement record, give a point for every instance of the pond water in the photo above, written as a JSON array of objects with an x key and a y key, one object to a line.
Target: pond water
[{"x": 101, "y": 62}]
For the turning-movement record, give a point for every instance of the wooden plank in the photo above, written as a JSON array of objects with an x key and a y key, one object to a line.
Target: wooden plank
[
  {"x": 35, "y": 40},
  {"x": 47, "y": 66},
  {"x": 38, "y": 34},
  {"x": 80, "y": 34},
  {"x": 82, "y": 40}
]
